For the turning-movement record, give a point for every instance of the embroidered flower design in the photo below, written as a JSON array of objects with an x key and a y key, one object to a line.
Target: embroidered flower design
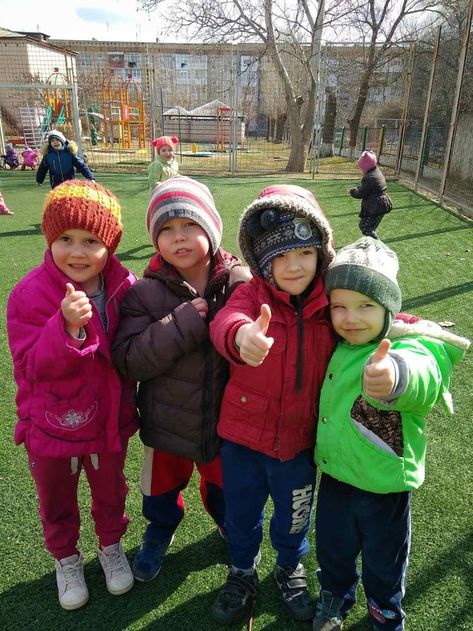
[{"x": 73, "y": 419}]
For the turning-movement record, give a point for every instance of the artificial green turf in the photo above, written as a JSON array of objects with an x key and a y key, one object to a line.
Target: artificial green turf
[{"x": 435, "y": 251}]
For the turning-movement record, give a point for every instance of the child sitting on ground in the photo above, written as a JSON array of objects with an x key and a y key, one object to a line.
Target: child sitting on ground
[
  {"x": 10, "y": 157},
  {"x": 30, "y": 158},
  {"x": 165, "y": 166},
  {"x": 382, "y": 380}
]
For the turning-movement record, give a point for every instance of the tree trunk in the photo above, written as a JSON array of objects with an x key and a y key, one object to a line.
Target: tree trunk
[
  {"x": 280, "y": 125},
  {"x": 328, "y": 136},
  {"x": 354, "y": 121}
]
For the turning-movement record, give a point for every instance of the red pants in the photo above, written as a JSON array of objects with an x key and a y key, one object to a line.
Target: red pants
[
  {"x": 163, "y": 477},
  {"x": 56, "y": 485}
]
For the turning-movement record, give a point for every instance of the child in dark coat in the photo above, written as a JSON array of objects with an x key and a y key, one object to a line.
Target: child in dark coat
[
  {"x": 61, "y": 160},
  {"x": 10, "y": 157},
  {"x": 372, "y": 191}
]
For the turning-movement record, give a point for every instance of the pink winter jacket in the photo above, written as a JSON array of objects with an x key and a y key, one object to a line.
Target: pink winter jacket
[
  {"x": 30, "y": 157},
  {"x": 70, "y": 400}
]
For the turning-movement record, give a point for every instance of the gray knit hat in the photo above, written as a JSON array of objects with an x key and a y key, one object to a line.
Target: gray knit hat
[
  {"x": 283, "y": 218},
  {"x": 369, "y": 267}
]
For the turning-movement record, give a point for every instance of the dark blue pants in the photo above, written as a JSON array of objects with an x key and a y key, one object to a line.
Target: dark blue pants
[
  {"x": 249, "y": 478},
  {"x": 368, "y": 225},
  {"x": 350, "y": 522}
]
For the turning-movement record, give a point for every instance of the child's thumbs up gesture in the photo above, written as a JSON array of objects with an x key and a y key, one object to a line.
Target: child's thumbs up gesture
[
  {"x": 252, "y": 341},
  {"x": 76, "y": 309},
  {"x": 379, "y": 376}
]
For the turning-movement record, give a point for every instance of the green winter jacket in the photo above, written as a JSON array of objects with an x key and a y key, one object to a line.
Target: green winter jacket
[
  {"x": 380, "y": 447},
  {"x": 161, "y": 170}
]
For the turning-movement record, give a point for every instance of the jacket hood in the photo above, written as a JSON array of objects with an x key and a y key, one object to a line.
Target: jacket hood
[
  {"x": 290, "y": 203},
  {"x": 69, "y": 145},
  {"x": 447, "y": 348}
]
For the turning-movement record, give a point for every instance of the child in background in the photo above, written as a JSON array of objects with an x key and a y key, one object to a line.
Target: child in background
[
  {"x": 163, "y": 342},
  {"x": 165, "y": 166},
  {"x": 276, "y": 333},
  {"x": 74, "y": 411},
  {"x": 372, "y": 191},
  {"x": 371, "y": 439},
  {"x": 4, "y": 210},
  {"x": 61, "y": 160},
  {"x": 30, "y": 158},
  {"x": 10, "y": 157}
]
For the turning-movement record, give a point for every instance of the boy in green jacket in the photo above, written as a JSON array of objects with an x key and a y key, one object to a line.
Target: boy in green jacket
[{"x": 383, "y": 379}]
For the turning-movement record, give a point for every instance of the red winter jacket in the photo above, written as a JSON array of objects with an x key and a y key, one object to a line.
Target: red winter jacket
[{"x": 264, "y": 408}]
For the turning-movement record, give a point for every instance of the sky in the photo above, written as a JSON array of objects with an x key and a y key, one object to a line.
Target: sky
[{"x": 111, "y": 20}]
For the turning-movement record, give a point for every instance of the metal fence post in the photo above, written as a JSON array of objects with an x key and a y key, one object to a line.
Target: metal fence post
[
  {"x": 342, "y": 136},
  {"x": 381, "y": 141},
  {"x": 423, "y": 149},
  {"x": 456, "y": 99}
]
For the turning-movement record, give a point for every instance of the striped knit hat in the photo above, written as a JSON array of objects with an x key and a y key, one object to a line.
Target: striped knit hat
[
  {"x": 83, "y": 205},
  {"x": 184, "y": 197},
  {"x": 283, "y": 218},
  {"x": 367, "y": 161}
]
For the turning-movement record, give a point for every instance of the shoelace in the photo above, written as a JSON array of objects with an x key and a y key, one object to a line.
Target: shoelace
[
  {"x": 115, "y": 562},
  {"x": 71, "y": 572}
]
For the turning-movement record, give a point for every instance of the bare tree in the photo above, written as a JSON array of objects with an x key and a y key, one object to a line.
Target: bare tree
[
  {"x": 384, "y": 26},
  {"x": 290, "y": 36}
]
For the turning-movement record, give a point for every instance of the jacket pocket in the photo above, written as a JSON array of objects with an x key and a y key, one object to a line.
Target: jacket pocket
[
  {"x": 68, "y": 416},
  {"x": 243, "y": 413},
  {"x": 383, "y": 428}
]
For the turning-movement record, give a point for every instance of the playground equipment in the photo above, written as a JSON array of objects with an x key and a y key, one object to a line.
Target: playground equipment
[
  {"x": 123, "y": 112},
  {"x": 59, "y": 99},
  {"x": 223, "y": 115}
]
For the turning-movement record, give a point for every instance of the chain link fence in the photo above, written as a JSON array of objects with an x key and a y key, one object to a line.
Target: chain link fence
[{"x": 225, "y": 103}]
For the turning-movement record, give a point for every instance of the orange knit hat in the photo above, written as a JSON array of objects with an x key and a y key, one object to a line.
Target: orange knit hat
[{"x": 83, "y": 205}]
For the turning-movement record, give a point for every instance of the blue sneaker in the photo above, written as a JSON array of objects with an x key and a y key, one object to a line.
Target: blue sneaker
[{"x": 149, "y": 559}]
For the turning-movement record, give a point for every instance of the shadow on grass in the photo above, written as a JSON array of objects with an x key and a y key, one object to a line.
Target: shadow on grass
[
  {"x": 436, "y": 296},
  {"x": 131, "y": 255},
  {"x": 457, "y": 562},
  {"x": 34, "y": 605},
  {"x": 33, "y": 231},
  {"x": 429, "y": 233}
]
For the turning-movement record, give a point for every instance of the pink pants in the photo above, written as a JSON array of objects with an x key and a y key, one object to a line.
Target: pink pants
[{"x": 56, "y": 485}]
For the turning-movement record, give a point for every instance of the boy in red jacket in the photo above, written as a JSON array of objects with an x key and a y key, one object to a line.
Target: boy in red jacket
[{"x": 276, "y": 333}]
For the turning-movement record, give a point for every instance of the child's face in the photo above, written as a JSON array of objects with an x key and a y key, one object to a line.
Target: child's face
[
  {"x": 293, "y": 271},
  {"x": 56, "y": 144},
  {"x": 81, "y": 256},
  {"x": 355, "y": 317},
  {"x": 166, "y": 153},
  {"x": 184, "y": 244}
]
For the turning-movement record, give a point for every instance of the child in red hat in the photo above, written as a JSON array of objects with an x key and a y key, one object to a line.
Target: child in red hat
[{"x": 165, "y": 166}]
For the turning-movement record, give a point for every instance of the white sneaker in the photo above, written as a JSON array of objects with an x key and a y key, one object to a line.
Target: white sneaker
[
  {"x": 118, "y": 575},
  {"x": 72, "y": 590}
]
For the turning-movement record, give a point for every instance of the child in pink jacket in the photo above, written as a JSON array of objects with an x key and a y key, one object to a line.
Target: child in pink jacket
[
  {"x": 30, "y": 158},
  {"x": 74, "y": 411}
]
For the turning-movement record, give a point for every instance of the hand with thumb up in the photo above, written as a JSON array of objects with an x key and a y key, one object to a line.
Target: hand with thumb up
[
  {"x": 252, "y": 341},
  {"x": 379, "y": 376},
  {"x": 76, "y": 309}
]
